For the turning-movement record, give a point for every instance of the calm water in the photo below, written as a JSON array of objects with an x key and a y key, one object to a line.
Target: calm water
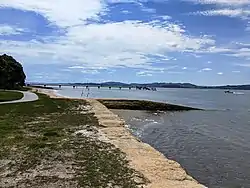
[{"x": 212, "y": 145}]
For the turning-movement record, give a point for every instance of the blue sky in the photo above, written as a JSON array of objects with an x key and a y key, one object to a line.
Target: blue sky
[{"x": 206, "y": 42}]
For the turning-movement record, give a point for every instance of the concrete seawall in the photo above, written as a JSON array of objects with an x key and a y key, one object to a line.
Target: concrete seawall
[{"x": 155, "y": 167}]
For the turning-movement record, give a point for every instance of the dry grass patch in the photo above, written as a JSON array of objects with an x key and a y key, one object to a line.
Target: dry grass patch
[{"x": 57, "y": 143}]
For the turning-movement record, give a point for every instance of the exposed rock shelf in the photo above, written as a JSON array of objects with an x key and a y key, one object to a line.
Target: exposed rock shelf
[{"x": 127, "y": 104}]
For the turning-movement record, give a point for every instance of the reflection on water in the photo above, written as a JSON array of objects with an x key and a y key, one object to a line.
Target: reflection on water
[{"x": 212, "y": 145}]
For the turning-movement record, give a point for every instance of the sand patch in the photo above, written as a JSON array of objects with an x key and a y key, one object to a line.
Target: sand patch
[{"x": 92, "y": 133}]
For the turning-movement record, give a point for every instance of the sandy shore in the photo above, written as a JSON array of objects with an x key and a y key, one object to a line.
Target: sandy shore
[
  {"x": 154, "y": 166},
  {"x": 50, "y": 92}
]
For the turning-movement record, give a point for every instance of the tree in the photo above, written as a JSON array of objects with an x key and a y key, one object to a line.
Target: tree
[{"x": 11, "y": 73}]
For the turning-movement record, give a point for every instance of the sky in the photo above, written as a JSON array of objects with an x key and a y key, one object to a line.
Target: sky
[{"x": 205, "y": 42}]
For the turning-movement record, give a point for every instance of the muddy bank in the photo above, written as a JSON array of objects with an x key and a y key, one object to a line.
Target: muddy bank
[{"x": 154, "y": 166}]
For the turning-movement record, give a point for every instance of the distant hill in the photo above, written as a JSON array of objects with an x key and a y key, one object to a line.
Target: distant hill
[
  {"x": 167, "y": 85},
  {"x": 153, "y": 85},
  {"x": 233, "y": 87},
  {"x": 114, "y": 84}
]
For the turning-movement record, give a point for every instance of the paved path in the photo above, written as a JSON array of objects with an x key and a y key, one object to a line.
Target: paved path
[{"x": 27, "y": 97}]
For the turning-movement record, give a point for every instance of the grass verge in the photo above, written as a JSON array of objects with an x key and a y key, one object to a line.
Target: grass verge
[
  {"x": 55, "y": 143},
  {"x": 10, "y": 96}
]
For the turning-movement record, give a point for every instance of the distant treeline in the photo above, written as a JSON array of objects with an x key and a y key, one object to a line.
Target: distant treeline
[{"x": 152, "y": 85}]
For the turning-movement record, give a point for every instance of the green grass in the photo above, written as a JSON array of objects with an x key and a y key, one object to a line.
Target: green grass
[
  {"x": 10, "y": 96},
  {"x": 38, "y": 136}
]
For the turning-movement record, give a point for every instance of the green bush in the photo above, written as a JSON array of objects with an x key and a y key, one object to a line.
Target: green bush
[{"x": 11, "y": 73}]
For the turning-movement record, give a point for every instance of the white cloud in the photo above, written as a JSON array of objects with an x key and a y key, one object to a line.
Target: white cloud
[
  {"x": 196, "y": 56},
  {"x": 215, "y": 49},
  {"x": 66, "y": 70},
  {"x": 205, "y": 69},
  {"x": 220, "y": 73},
  {"x": 10, "y": 30},
  {"x": 234, "y": 3},
  {"x": 60, "y": 12},
  {"x": 209, "y": 62},
  {"x": 155, "y": 71},
  {"x": 90, "y": 47},
  {"x": 241, "y": 13},
  {"x": 238, "y": 50},
  {"x": 109, "y": 45},
  {"x": 230, "y": 8},
  {"x": 244, "y": 65},
  {"x": 90, "y": 71},
  {"x": 174, "y": 72},
  {"x": 126, "y": 12},
  {"x": 84, "y": 69},
  {"x": 149, "y": 10},
  {"x": 242, "y": 53},
  {"x": 76, "y": 67},
  {"x": 144, "y": 73},
  {"x": 247, "y": 26},
  {"x": 236, "y": 71},
  {"x": 165, "y": 17},
  {"x": 113, "y": 44}
]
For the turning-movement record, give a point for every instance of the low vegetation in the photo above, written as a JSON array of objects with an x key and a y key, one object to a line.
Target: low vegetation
[
  {"x": 10, "y": 96},
  {"x": 55, "y": 143},
  {"x": 142, "y": 105}
]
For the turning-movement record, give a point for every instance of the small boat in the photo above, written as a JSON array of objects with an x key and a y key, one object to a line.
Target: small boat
[{"x": 228, "y": 91}]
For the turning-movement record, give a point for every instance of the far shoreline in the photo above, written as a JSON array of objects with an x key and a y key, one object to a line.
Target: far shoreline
[{"x": 123, "y": 103}]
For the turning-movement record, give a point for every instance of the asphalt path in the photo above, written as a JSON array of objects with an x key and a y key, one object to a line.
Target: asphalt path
[{"x": 27, "y": 97}]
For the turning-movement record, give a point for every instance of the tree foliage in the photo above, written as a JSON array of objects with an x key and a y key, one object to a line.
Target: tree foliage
[{"x": 11, "y": 73}]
